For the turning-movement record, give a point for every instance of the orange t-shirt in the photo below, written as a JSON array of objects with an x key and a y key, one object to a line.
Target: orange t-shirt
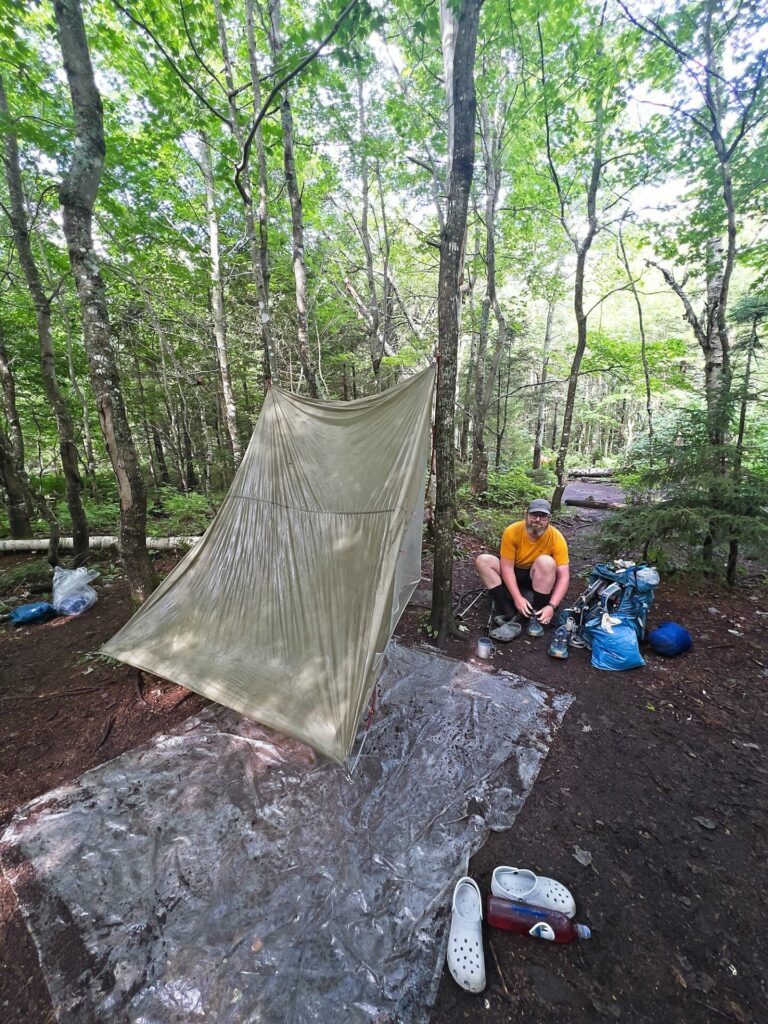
[{"x": 517, "y": 546}]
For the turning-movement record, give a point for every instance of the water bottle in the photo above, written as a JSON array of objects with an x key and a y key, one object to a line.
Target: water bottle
[{"x": 535, "y": 921}]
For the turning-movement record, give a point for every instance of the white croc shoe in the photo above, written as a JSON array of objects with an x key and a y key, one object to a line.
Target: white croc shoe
[
  {"x": 523, "y": 886},
  {"x": 466, "y": 961}
]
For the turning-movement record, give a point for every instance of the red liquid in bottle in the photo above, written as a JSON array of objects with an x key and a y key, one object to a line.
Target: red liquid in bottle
[{"x": 533, "y": 921}]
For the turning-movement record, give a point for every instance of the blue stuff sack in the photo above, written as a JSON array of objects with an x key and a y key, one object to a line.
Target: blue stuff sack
[
  {"x": 27, "y": 614},
  {"x": 78, "y": 602},
  {"x": 617, "y": 650},
  {"x": 670, "y": 639}
]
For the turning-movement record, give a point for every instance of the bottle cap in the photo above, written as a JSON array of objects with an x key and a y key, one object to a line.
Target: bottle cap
[{"x": 583, "y": 931}]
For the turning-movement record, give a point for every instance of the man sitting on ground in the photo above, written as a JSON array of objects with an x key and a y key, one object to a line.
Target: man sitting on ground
[{"x": 531, "y": 576}]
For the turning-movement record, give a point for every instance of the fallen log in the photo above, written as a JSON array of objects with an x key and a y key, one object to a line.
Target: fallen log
[
  {"x": 598, "y": 474},
  {"x": 153, "y": 543},
  {"x": 607, "y": 506}
]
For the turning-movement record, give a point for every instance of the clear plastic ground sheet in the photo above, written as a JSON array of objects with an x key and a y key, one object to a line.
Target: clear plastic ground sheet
[{"x": 224, "y": 873}]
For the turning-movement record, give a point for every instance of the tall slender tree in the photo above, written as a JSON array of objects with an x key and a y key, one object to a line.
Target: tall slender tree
[
  {"x": 217, "y": 303},
  {"x": 42, "y": 304},
  {"x": 77, "y": 195},
  {"x": 294, "y": 198},
  {"x": 716, "y": 69},
  {"x": 459, "y": 40}
]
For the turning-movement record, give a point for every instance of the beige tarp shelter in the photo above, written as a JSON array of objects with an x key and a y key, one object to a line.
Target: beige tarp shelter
[{"x": 283, "y": 609}]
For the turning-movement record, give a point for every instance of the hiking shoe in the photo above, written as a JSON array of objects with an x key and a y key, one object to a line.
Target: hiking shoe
[
  {"x": 535, "y": 628},
  {"x": 506, "y": 632},
  {"x": 558, "y": 648}
]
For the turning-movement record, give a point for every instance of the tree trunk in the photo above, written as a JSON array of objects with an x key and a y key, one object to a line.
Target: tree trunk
[
  {"x": 77, "y": 195},
  {"x": 17, "y": 490},
  {"x": 373, "y": 317},
  {"x": 144, "y": 414},
  {"x": 388, "y": 332},
  {"x": 501, "y": 420},
  {"x": 162, "y": 465},
  {"x": 643, "y": 347},
  {"x": 541, "y": 397},
  {"x": 469, "y": 384},
  {"x": 21, "y": 498},
  {"x": 478, "y": 472},
  {"x": 733, "y": 544},
  {"x": 217, "y": 304},
  {"x": 297, "y": 218},
  {"x": 165, "y": 346},
  {"x": 582, "y": 251},
  {"x": 461, "y": 29},
  {"x": 554, "y": 424},
  {"x": 85, "y": 412},
  {"x": 190, "y": 477},
  {"x": 570, "y": 397},
  {"x": 257, "y": 243},
  {"x": 207, "y": 448},
  {"x": 718, "y": 362},
  {"x": 67, "y": 448},
  {"x": 16, "y": 438},
  {"x": 491, "y": 145}
]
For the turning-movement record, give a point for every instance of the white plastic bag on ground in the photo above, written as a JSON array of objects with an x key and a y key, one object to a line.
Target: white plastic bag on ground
[{"x": 71, "y": 592}]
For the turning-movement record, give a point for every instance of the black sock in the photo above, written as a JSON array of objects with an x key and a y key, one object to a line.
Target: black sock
[
  {"x": 502, "y": 602},
  {"x": 539, "y": 600}
]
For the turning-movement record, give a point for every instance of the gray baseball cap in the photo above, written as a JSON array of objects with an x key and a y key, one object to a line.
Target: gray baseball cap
[{"x": 540, "y": 505}]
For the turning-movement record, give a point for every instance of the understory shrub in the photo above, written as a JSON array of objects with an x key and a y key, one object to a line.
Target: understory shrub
[
  {"x": 691, "y": 501},
  {"x": 503, "y": 502}
]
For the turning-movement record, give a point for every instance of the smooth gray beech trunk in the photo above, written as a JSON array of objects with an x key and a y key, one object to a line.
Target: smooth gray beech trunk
[
  {"x": 217, "y": 304},
  {"x": 581, "y": 247},
  {"x": 374, "y": 311},
  {"x": 461, "y": 35},
  {"x": 77, "y": 195},
  {"x": 491, "y": 130},
  {"x": 389, "y": 340},
  {"x": 257, "y": 242},
  {"x": 42, "y": 303},
  {"x": 297, "y": 217},
  {"x": 271, "y": 366},
  {"x": 85, "y": 412}
]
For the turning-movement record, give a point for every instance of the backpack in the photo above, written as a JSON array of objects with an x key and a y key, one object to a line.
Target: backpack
[{"x": 611, "y": 615}]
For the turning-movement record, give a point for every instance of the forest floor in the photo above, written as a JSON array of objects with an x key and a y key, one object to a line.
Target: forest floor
[{"x": 659, "y": 774}]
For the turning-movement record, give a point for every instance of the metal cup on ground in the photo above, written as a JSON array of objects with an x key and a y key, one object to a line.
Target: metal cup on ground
[{"x": 485, "y": 648}]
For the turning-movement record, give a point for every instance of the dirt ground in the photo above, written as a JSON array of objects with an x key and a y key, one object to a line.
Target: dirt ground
[{"x": 659, "y": 774}]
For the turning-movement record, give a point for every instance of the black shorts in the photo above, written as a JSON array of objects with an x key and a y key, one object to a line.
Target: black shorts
[{"x": 524, "y": 582}]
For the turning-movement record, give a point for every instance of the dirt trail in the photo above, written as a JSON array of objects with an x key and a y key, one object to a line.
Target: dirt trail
[{"x": 596, "y": 490}]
